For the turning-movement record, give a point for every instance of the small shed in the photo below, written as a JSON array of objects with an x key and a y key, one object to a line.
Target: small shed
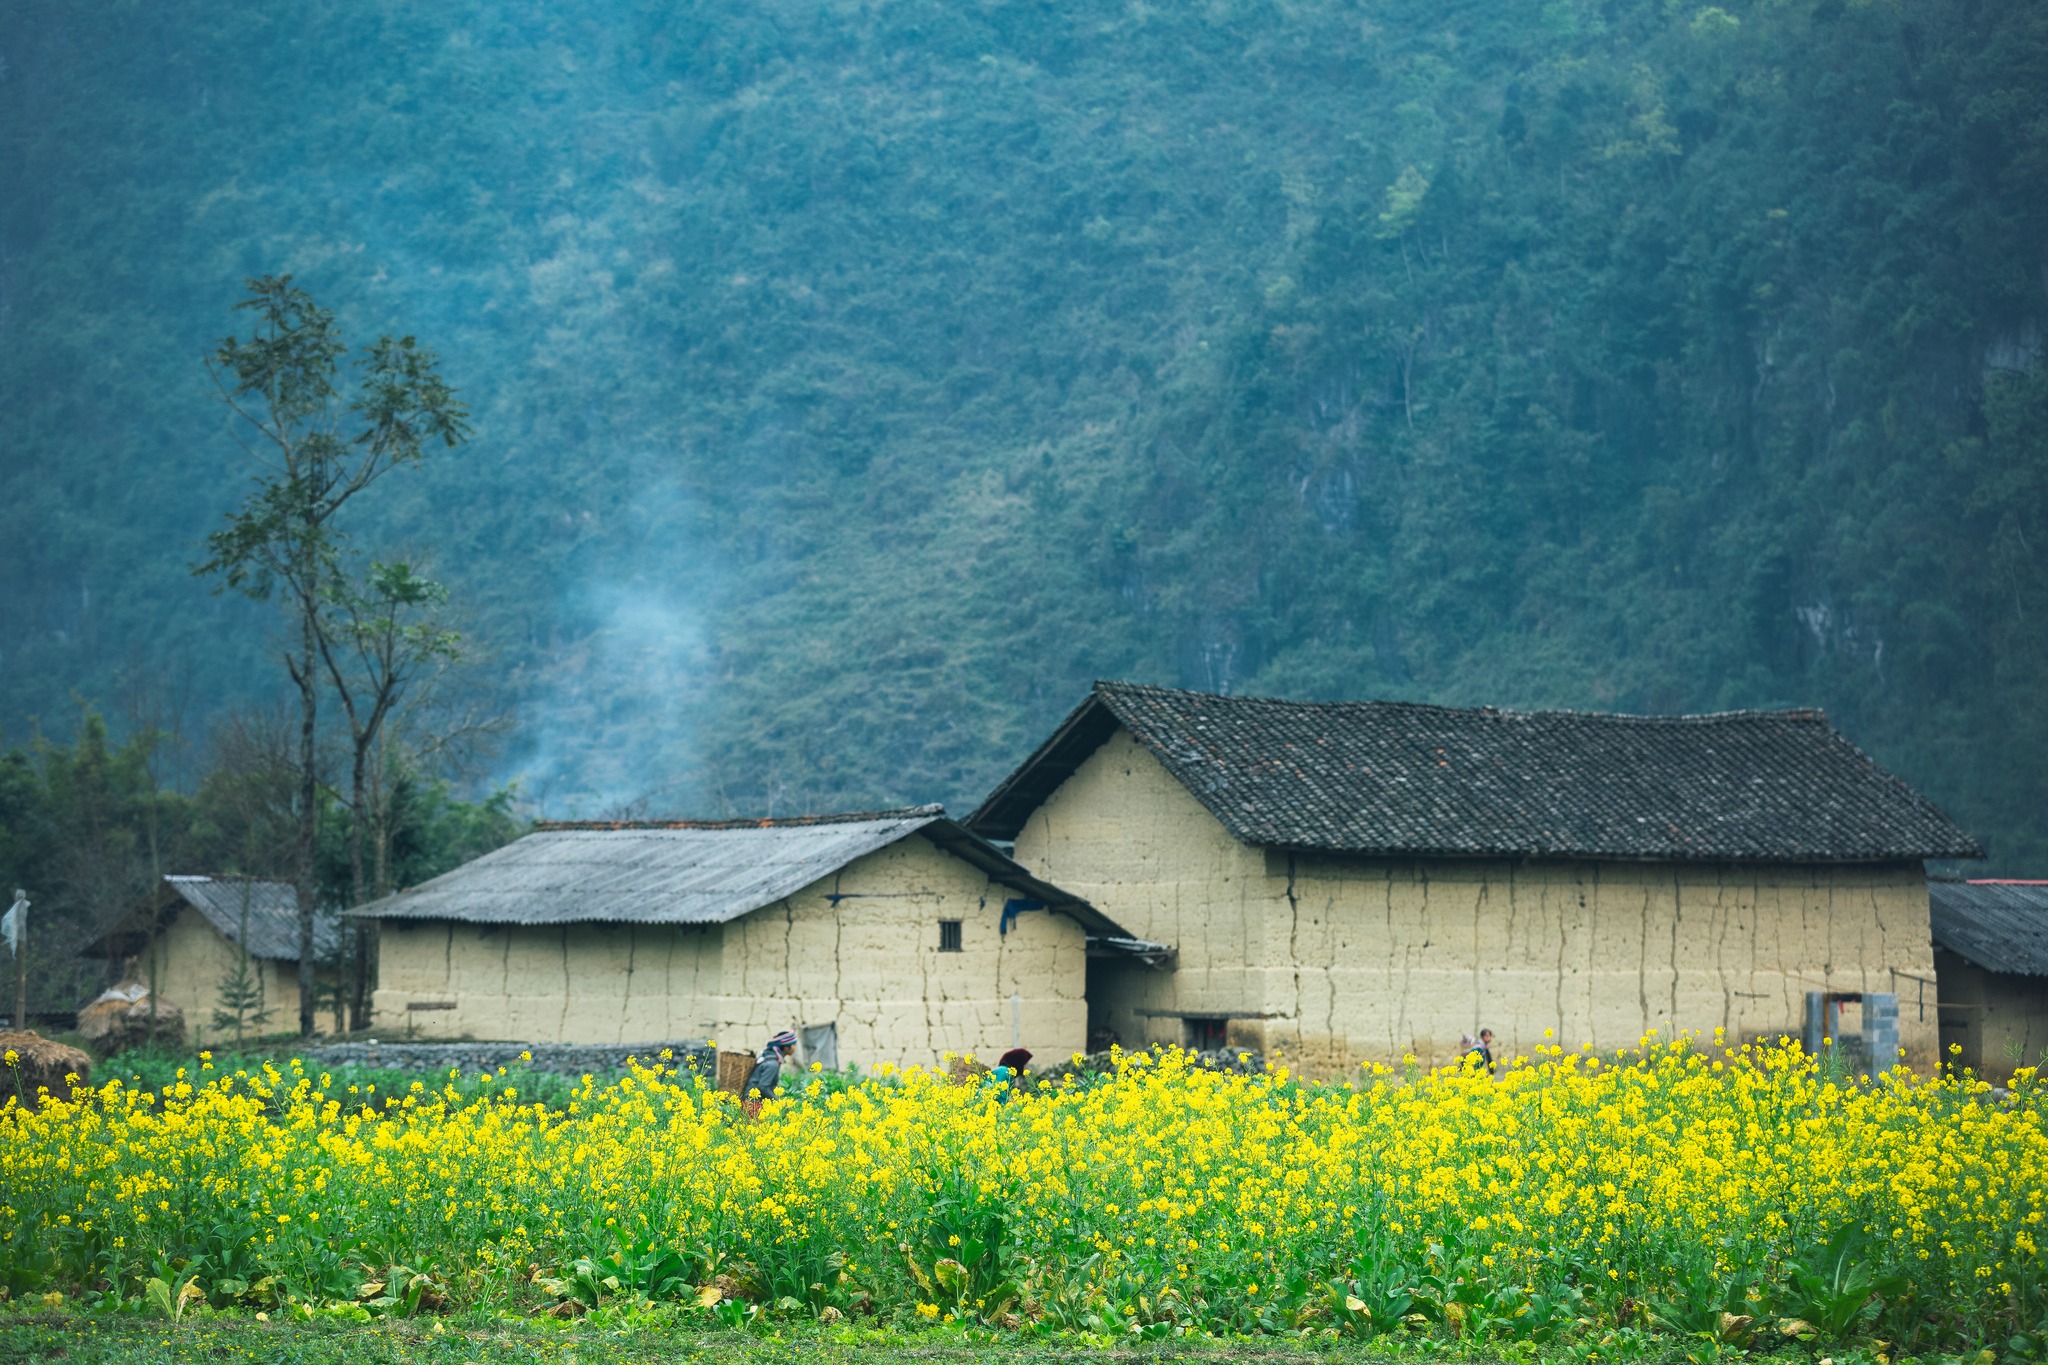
[
  {"x": 886, "y": 936},
  {"x": 1991, "y": 959},
  {"x": 188, "y": 940}
]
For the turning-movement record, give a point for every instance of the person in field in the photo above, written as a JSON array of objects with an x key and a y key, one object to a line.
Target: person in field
[
  {"x": 1479, "y": 1052},
  {"x": 767, "y": 1073},
  {"x": 1008, "y": 1073}
]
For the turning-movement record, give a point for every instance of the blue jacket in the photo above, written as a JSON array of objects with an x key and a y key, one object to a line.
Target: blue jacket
[{"x": 766, "y": 1075}]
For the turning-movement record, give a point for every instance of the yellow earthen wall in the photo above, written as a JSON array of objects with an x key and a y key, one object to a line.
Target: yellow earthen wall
[
  {"x": 1999, "y": 1020},
  {"x": 570, "y": 983},
  {"x": 192, "y": 958},
  {"x": 1333, "y": 962},
  {"x": 859, "y": 949},
  {"x": 873, "y": 965}
]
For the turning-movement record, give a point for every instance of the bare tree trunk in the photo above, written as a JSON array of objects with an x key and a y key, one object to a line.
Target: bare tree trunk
[
  {"x": 359, "y": 814},
  {"x": 368, "y": 943},
  {"x": 309, "y": 829},
  {"x": 380, "y": 842},
  {"x": 156, "y": 882}
]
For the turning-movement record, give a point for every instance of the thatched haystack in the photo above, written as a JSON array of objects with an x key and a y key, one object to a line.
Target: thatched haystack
[
  {"x": 39, "y": 1064},
  {"x": 122, "y": 1017}
]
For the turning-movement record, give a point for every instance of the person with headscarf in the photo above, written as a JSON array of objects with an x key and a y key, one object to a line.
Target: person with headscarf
[
  {"x": 1008, "y": 1072},
  {"x": 767, "y": 1073},
  {"x": 1479, "y": 1051}
]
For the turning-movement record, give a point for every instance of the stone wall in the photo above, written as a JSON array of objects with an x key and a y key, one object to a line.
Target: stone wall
[
  {"x": 559, "y": 1059},
  {"x": 1330, "y": 962},
  {"x": 859, "y": 950}
]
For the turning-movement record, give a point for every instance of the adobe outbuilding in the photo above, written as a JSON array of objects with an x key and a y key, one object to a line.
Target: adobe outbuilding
[
  {"x": 1991, "y": 955},
  {"x": 189, "y": 939},
  {"x": 1361, "y": 881},
  {"x": 891, "y": 936}
]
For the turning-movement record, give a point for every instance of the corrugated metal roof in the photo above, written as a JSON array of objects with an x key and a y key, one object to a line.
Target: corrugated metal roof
[
  {"x": 689, "y": 872},
  {"x": 1400, "y": 778},
  {"x": 2000, "y": 926},
  {"x": 273, "y": 914}
]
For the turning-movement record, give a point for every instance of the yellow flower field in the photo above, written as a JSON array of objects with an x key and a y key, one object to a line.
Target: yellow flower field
[{"x": 1733, "y": 1195}]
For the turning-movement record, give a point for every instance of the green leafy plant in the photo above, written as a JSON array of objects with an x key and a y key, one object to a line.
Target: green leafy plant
[
  {"x": 1375, "y": 1293},
  {"x": 404, "y": 1292},
  {"x": 961, "y": 1265},
  {"x": 1832, "y": 1289},
  {"x": 172, "y": 1302},
  {"x": 1704, "y": 1300}
]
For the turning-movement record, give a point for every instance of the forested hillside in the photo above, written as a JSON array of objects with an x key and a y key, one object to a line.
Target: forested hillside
[{"x": 854, "y": 381}]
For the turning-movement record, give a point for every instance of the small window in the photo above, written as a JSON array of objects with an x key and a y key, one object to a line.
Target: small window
[
  {"x": 949, "y": 935},
  {"x": 1207, "y": 1035}
]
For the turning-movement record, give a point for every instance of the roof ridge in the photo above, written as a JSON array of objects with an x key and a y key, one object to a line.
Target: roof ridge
[
  {"x": 224, "y": 877},
  {"x": 1793, "y": 713},
  {"x": 758, "y": 822}
]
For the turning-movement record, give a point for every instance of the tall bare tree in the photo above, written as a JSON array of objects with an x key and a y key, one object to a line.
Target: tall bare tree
[
  {"x": 433, "y": 731},
  {"x": 381, "y": 640},
  {"x": 156, "y": 709},
  {"x": 246, "y": 807},
  {"x": 317, "y": 450}
]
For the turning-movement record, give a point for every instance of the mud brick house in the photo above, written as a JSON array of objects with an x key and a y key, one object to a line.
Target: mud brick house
[
  {"x": 1991, "y": 955},
  {"x": 1360, "y": 881},
  {"x": 894, "y": 936},
  {"x": 190, "y": 935}
]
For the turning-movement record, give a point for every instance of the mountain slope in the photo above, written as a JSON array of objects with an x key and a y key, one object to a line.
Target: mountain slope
[{"x": 856, "y": 381}]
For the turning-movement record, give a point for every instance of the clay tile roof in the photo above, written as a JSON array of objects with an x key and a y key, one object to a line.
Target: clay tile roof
[
  {"x": 1402, "y": 778},
  {"x": 273, "y": 914},
  {"x": 691, "y": 871},
  {"x": 2001, "y": 926}
]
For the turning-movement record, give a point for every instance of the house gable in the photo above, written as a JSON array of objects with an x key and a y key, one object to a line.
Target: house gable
[
  {"x": 862, "y": 949},
  {"x": 1121, "y": 830}
]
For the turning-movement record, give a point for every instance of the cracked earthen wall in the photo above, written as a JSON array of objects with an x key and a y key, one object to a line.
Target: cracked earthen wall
[
  {"x": 1334, "y": 962},
  {"x": 564, "y": 983},
  {"x": 859, "y": 949},
  {"x": 873, "y": 965}
]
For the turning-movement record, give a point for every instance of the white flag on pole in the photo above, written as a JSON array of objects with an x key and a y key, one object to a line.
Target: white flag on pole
[{"x": 11, "y": 923}]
